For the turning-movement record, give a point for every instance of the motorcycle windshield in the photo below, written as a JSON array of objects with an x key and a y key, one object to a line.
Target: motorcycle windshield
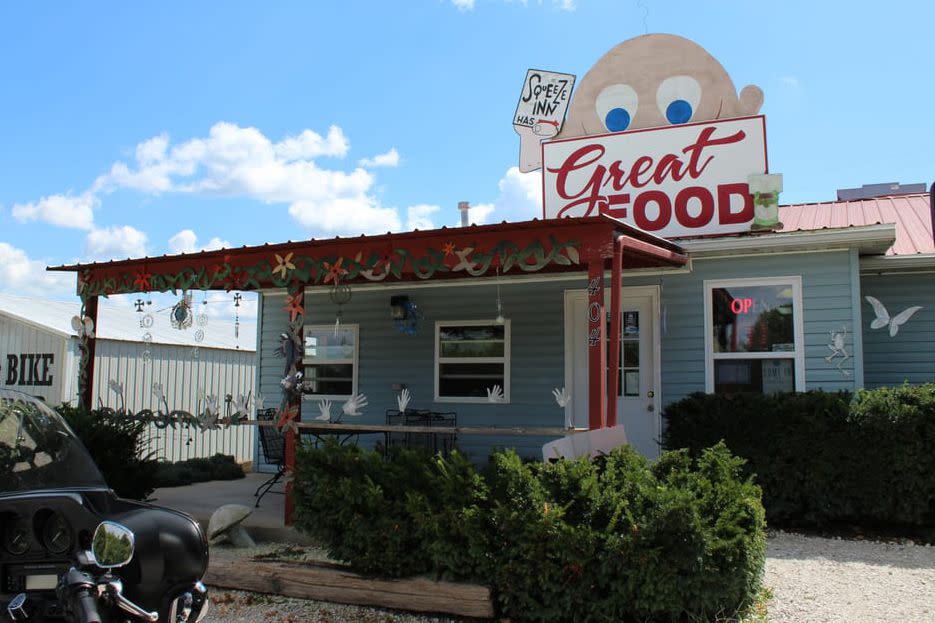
[{"x": 38, "y": 450}]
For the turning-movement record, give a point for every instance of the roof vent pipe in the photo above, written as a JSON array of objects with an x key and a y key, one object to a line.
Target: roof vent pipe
[{"x": 465, "y": 207}]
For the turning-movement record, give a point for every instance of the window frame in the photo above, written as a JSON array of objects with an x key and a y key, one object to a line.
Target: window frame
[
  {"x": 354, "y": 361},
  {"x": 505, "y": 360},
  {"x": 798, "y": 327}
]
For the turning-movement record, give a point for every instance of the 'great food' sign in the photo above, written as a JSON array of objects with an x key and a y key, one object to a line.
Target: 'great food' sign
[{"x": 675, "y": 181}]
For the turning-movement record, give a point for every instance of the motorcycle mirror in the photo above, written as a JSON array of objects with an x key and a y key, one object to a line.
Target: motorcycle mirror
[{"x": 112, "y": 545}]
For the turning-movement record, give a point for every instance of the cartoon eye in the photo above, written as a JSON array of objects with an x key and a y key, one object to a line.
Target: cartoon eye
[
  {"x": 616, "y": 106},
  {"x": 678, "y": 98}
]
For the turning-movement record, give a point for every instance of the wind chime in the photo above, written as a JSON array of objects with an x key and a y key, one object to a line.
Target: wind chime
[
  {"x": 237, "y": 298},
  {"x": 146, "y": 323},
  {"x": 340, "y": 295}
]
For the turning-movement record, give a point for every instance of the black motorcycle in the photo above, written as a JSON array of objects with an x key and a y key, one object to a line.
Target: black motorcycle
[{"x": 71, "y": 550}]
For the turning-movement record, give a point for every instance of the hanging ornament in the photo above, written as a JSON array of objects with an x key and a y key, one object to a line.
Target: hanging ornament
[
  {"x": 500, "y": 318},
  {"x": 146, "y": 355},
  {"x": 199, "y": 336},
  {"x": 181, "y": 314},
  {"x": 83, "y": 326},
  {"x": 340, "y": 295},
  {"x": 139, "y": 305},
  {"x": 237, "y": 298},
  {"x": 195, "y": 352},
  {"x": 146, "y": 321},
  {"x": 202, "y": 320}
]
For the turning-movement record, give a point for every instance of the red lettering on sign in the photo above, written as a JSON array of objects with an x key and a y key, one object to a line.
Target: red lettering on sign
[
  {"x": 741, "y": 306},
  {"x": 639, "y": 210},
  {"x": 724, "y": 193},
  {"x": 706, "y": 212},
  {"x": 643, "y": 171}
]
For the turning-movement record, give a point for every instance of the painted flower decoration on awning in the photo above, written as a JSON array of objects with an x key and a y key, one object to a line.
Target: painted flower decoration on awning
[
  {"x": 335, "y": 271},
  {"x": 283, "y": 264},
  {"x": 294, "y": 306},
  {"x": 287, "y": 419},
  {"x": 141, "y": 282},
  {"x": 449, "y": 249}
]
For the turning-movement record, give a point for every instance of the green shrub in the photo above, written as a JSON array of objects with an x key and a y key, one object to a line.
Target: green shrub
[
  {"x": 355, "y": 503},
  {"x": 181, "y": 473},
  {"x": 824, "y": 458},
  {"x": 610, "y": 539},
  {"x": 116, "y": 446}
]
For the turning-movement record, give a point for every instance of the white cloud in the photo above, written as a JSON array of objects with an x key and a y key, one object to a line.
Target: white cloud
[
  {"x": 790, "y": 81},
  {"x": 186, "y": 241},
  {"x": 520, "y": 199},
  {"x": 116, "y": 243},
  {"x": 61, "y": 210},
  {"x": 242, "y": 162},
  {"x": 389, "y": 159},
  {"x": 419, "y": 216},
  {"x": 21, "y": 275},
  {"x": 463, "y": 5},
  {"x": 308, "y": 145}
]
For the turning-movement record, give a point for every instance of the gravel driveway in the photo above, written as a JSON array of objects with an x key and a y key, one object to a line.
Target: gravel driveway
[
  {"x": 813, "y": 579},
  {"x": 829, "y": 580}
]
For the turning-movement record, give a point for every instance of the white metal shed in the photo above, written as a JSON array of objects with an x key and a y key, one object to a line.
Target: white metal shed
[{"x": 39, "y": 355}]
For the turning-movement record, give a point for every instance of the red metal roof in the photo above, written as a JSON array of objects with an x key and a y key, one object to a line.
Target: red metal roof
[{"x": 912, "y": 215}]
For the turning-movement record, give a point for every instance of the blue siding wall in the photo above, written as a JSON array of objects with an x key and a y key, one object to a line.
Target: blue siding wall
[
  {"x": 910, "y": 355},
  {"x": 826, "y": 298},
  {"x": 388, "y": 357},
  {"x": 536, "y": 312}
]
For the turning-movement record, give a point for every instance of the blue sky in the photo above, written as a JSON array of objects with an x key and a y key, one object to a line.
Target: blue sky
[{"x": 133, "y": 128}]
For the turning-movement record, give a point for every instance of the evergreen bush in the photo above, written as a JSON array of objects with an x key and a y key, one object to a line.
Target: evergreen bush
[
  {"x": 825, "y": 459},
  {"x": 116, "y": 445},
  {"x": 615, "y": 538}
]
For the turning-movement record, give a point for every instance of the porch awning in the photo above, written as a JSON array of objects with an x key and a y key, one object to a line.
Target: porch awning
[{"x": 536, "y": 246}]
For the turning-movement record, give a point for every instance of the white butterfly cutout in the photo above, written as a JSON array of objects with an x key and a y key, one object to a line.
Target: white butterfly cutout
[
  {"x": 883, "y": 316},
  {"x": 83, "y": 326}
]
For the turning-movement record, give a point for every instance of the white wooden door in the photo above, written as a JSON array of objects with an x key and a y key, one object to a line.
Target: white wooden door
[{"x": 638, "y": 390}]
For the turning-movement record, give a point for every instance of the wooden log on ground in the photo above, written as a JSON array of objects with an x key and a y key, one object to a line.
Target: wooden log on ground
[{"x": 324, "y": 582}]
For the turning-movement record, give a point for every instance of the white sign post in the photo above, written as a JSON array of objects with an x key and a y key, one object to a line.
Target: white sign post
[
  {"x": 540, "y": 113},
  {"x": 675, "y": 181}
]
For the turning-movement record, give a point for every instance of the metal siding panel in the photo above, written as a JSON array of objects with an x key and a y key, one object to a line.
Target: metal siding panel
[{"x": 910, "y": 355}]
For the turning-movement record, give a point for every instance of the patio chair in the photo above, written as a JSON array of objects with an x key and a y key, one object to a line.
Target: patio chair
[{"x": 274, "y": 452}]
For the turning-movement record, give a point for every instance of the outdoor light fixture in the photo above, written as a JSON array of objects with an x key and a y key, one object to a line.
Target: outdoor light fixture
[{"x": 398, "y": 307}]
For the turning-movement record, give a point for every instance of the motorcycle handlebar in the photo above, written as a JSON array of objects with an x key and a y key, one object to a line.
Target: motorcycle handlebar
[{"x": 78, "y": 592}]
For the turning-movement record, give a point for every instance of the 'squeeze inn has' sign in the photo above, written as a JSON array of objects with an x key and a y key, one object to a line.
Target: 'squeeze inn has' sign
[{"x": 675, "y": 181}]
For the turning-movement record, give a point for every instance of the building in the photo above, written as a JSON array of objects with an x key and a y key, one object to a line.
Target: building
[
  {"x": 40, "y": 355},
  {"x": 662, "y": 265}
]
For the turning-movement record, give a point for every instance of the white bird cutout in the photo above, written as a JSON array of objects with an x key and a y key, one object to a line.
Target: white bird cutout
[{"x": 883, "y": 316}]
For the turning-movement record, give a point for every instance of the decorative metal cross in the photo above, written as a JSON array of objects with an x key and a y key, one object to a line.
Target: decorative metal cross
[
  {"x": 237, "y": 299},
  {"x": 139, "y": 305}
]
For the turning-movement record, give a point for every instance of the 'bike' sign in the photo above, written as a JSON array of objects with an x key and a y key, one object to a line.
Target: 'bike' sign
[{"x": 675, "y": 181}]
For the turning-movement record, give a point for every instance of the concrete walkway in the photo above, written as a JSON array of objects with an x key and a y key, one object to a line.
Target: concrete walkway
[{"x": 201, "y": 499}]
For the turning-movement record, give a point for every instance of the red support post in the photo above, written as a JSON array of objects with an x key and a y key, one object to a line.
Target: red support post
[
  {"x": 86, "y": 373},
  {"x": 616, "y": 285},
  {"x": 291, "y": 435},
  {"x": 597, "y": 347}
]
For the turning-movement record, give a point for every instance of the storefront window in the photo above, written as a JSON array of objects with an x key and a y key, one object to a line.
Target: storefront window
[
  {"x": 471, "y": 358},
  {"x": 754, "y": 340},
  {"x": 330, "y": 360}
]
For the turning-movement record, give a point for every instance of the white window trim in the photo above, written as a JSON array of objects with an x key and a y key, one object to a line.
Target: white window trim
[
  {"x": 505, "y": 360},
  {"x": 798, "y": 313},
  {"x": 353, "y": 360}
]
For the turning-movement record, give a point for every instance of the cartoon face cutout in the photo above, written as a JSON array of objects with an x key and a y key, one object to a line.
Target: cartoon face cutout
[{"x": 655, "y": 80}]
